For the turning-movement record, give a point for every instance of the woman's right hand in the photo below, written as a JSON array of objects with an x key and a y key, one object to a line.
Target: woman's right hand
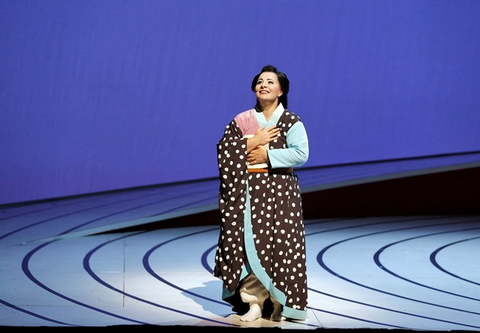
[{"x": 263, "y": 136}]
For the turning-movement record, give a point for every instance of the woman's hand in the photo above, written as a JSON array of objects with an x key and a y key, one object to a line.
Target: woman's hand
[
  {"x": 258, "y": 155},
  {"x": 262, "y": 137}
]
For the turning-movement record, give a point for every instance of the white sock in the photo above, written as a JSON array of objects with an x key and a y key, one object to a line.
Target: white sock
[{"x": 254, "y": 313}]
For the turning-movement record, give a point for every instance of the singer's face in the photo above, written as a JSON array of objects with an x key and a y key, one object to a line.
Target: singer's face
[{"x": 268, "y": 88}]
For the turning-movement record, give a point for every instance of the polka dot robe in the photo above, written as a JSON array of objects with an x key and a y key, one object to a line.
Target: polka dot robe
[{"x": 274, "y": 217}]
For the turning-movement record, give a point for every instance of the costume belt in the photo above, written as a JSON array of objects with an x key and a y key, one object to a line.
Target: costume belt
[{"x": 271, "y": 171}]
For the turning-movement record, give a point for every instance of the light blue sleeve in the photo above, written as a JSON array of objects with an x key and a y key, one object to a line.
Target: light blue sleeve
[{"x": 296, "y": 153}]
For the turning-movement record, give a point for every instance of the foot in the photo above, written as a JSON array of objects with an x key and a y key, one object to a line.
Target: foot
[
  {"x": 277, "y": 311},
  {"x": 253, "y": 314}
]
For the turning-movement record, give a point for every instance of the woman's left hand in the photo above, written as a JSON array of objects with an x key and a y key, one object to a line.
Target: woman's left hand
[{"x": 258, "y": 155}]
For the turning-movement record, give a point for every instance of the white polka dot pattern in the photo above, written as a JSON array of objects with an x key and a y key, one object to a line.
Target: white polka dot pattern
[{"x": 276, "y": 218}]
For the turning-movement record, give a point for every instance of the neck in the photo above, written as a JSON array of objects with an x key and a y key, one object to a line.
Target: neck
[{"x": 268, "y": 109}]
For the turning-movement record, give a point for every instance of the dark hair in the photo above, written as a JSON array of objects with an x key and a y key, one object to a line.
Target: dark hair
[{"x": 282, "y": 79}]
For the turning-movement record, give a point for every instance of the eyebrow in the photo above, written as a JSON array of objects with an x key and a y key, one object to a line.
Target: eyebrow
[{"x": 268, "y": 78}]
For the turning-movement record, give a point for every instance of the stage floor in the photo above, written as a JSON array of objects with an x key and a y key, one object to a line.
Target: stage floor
[{"x": 71, "y": 263}]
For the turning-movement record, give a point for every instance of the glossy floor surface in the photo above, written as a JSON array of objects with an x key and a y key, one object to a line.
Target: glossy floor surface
[{"x": 71, "y": 263}]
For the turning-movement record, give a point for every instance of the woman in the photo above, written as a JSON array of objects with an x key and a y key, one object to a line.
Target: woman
[{"x": 260, "y": 255}]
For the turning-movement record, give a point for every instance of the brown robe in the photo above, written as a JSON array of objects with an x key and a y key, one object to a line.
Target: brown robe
[{"x": 262, "y": 224}]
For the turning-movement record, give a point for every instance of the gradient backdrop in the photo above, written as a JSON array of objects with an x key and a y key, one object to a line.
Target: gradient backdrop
[{"x": 99, "y": 95}]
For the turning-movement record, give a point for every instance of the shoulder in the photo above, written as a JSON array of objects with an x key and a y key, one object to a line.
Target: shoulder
[
  {"x": 246, "y": 113},
  {"x": 244, "y": 116},
  {"x": 291, "y": 116}
]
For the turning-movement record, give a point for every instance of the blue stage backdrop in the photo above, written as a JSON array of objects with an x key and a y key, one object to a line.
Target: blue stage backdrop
[{"x": 100, "y": 95}]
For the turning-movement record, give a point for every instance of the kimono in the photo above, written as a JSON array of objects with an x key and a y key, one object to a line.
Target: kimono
[{"x": 262, "y": 227}]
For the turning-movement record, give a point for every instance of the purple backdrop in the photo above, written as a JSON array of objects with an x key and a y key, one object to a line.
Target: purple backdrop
[{"x": 104, "y": 95}]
